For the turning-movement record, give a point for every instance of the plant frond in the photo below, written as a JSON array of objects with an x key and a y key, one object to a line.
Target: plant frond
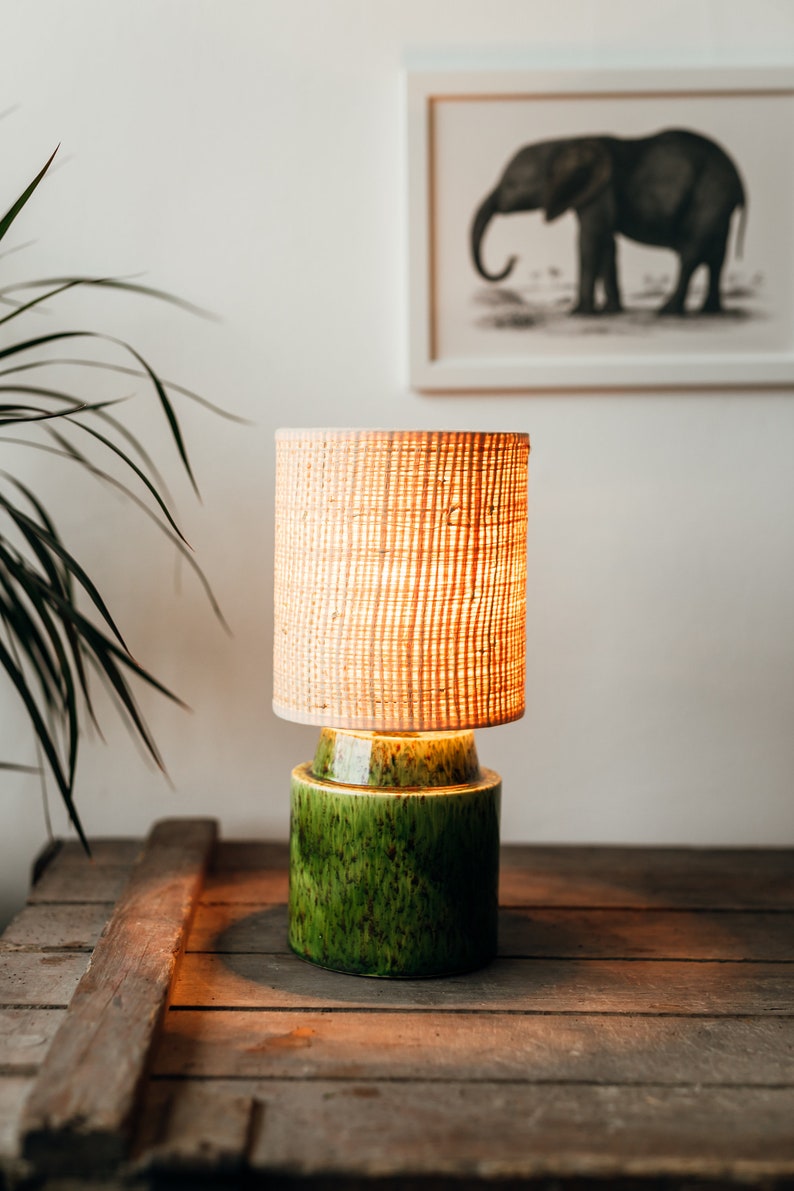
[
  {"x": 106, "y": 365},
  {"x": 42, "y": 542},
  {"x": 119, "y": 283},
  {"x": 111, "y": 446},
  {"x": 68, "y": 451},
  {"x": 25, "y": 306},
  {"x": 48, "y": 744},
  {"x": 11, "y": 413},
  {"x": 48, "y": 645},
  {"x": 173, "y": 422},
  {"x": 15, "y": 208}
]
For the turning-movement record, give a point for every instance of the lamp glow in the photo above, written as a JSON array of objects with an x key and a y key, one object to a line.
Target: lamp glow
[{"x": 400, "y": 584}]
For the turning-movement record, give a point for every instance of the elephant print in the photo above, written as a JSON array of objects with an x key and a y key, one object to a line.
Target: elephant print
[{"x": 676, "y": 190}]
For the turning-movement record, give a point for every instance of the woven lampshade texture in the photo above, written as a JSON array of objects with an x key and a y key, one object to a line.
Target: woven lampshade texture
[{"x": 400, "y": 578}]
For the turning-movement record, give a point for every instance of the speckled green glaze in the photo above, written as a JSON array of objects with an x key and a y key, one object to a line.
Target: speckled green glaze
[
  {"x": 399, "y": 759},
  {"x": 394, "y": 884}
]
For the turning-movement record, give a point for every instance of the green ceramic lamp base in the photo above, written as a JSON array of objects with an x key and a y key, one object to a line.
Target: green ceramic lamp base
[{"x": 389, "y": 875}]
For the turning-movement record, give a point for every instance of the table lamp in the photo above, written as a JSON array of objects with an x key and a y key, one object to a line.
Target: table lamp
[{"x": 400, "y": 583}]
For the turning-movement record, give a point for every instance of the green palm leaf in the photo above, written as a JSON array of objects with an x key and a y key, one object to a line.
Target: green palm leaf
[
  {"x": 107, "y": 366},
  {"x": 15, "y": 208},
  {"x": 48, "y": 643}
]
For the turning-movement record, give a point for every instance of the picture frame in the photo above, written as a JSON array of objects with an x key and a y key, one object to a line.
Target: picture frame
[{"x": 735, "y": 326}]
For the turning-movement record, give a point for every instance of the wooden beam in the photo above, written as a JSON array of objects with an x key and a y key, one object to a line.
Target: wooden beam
[{"x": 79, "y": 1115}]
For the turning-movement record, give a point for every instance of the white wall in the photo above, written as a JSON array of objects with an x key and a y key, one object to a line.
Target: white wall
[{"x": 249, "y": 154}]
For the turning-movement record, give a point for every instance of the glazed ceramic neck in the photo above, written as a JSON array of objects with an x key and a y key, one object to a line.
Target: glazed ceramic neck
[{"x": 401, "y": 759}]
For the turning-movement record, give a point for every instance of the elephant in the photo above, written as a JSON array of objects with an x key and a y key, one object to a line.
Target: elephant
[{"x": 675, "y": 189}]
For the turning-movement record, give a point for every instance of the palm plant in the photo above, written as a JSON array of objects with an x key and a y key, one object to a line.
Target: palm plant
[{"x": 48, "y": 644}]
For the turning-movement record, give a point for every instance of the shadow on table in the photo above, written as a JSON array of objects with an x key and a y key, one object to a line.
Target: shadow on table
[{"x": 254, "y": 948}]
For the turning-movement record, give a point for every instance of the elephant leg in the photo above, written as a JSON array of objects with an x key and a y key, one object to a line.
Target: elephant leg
[
  {"x": 609, "y": 276},
  {"x": 689, "y": 260},
  {"x": 715, "y": 259},
  {"x": 596, "y": 263},
  {"x": 589, "y": 261}
]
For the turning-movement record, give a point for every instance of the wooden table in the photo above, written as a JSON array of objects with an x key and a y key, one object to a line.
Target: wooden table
[{"x": 637, "y": 1029}]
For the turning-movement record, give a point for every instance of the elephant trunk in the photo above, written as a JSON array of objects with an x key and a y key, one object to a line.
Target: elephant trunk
[{"x": 488, "y": 208}]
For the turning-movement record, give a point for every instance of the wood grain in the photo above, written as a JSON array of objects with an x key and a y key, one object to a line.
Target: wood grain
[
  {"x": 231, "y": 927},
  {"x": 82, "y": 882},
  {"x": 472, "y": 1046},
  {"x": 528, "y": 932},
  {"x": 14, "y": 1090},
  {"x": 528, "y": 986},
  {"x": 250, "y": 855},
  {"x": 119, "y": 851},
  {"x": 183, "y": 1132},
  {"x": 546, "y": 875},
  {"x": 40, "y": 979},
  {"x": 351, "y": 1128},
  {"x": 78, "y": 1116},
  {"x": 48, "y": 927},
  {"x": 637, "y": 1030},
  {"x": 522, "y": 1130},
  {"x": 245, "y": 886},
  {"x": 646, "y": 934},
  {"x": 25, "y": 1037},
  {"x": 648, "y": 878}
]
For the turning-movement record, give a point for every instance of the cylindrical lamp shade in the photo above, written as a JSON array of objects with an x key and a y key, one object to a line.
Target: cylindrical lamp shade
[{"x": 400, "y": 578}]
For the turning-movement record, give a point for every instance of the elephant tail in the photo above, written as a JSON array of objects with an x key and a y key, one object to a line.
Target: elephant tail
[{"x": 483, "y": 217}]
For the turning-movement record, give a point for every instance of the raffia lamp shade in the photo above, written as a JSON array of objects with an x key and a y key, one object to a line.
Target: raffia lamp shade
[{"x": 400, "y": 578}]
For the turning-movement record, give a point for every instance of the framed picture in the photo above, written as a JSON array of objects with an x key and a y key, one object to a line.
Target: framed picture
[{"x": 601, "y": 229}]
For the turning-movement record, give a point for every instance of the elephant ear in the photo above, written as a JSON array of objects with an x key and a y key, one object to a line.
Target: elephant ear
[{"x": 576, "y": 174}]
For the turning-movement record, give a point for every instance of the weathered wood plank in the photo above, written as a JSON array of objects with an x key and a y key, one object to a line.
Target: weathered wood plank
[
  {"x": 602, "y": 986},
  {"x": 105, "y": 850},
  {"x": 182, "y": 1132},
  {"x": 650, "y": 934},
  {"x": 40, "y": 978},
  {"x": 251, "y": 855},
  {"x": 474, "y": 1129},
  {"x": 706, "y": 878},
  {"x": 247, "y": 870},
  {"x": 645, "y": 868},
  {"x": 68, "y": 875},
  {"x": 461, "y": 1046},
  {"x": 352, "y": 1129},
  {"x": 230, "y": 927},
  {"x": 80, "y": 882},
  {"x": 586, "y": 1051},
  {"x": 14, "y": 1090},
  {"x": 25, "y": 1036},
  {"x": 546, "y": 932},
  {"x": 547, "y": 875},
  {"x": 47, "y": 927},
  {"x": 246, "y": 886},
  {"x": 79, "y": 1113}
]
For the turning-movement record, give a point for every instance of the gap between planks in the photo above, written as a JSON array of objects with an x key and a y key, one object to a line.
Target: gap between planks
[
  {"x": 490, "y": 1080},
  {"x": 737, "y": 1015},
  {"x": 523, "y": 957}
]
